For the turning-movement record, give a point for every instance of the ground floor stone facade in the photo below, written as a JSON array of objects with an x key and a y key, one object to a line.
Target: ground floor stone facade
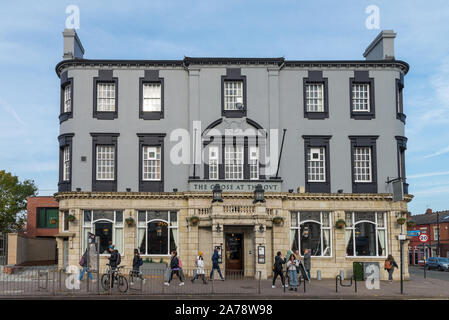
[{"x": 243, "y": 229}]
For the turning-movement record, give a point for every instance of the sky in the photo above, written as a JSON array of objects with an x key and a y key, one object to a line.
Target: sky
[{"x": 31, "y": 46}]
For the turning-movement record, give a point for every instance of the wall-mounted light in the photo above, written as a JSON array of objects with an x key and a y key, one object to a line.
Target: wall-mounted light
[
  {"x": 78, "y": 189},
  {"x": 340, "y": 190},
  {"x": 259, "y": 194},
  {"x": 175, "y": 190},
  {"x": 218, "y": 228},
  {"x": 128, "y": 189},
  {"x": 217, "y": 194},
  {"x": 261, "y": 228},
  {"x": 290, "y": 190}
]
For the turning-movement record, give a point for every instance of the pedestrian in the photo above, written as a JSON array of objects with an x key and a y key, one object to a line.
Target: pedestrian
[
  {"x": 84, "y": 263},
  {"x": 174, "y": 267},
  {"x": 215, "y": 265},
  {"x": 137, "y": 263},
  {"x": 389, "y": 265},
  {"x": 292, "y": 265},
  {"x": 307, "y": 262},
  {"x": 278, "y": 269},
  {"x": 199, "y": 271},
  {"x": 114, "y": 261}
]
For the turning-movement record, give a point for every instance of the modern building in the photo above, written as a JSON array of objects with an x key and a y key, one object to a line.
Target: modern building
[
  {"x": 42, "y": 217},
  {"x": 436, "y": 226},
  {"x": 144, "y": 142}
]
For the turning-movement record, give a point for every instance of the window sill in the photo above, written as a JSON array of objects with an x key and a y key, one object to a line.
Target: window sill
[
  {"x": 105, "y": 115},
  {"x": 362, "y": 115},
  {"x": 65, "y": 116},
  {"x": 234, "y": 113},
  {"x": 151, "y": 115},
  {"x": 316, "y": 115}
]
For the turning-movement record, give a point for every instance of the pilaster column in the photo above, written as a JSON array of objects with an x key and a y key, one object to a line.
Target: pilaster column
[
  {"x": 218, "y": 236},
  {"x": 260, "y": 228}
]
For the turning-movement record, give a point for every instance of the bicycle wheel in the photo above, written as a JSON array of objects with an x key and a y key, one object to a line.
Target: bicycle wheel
[
  {"x": 122, "y": 284},
  {"x": 105, "y": 281}
]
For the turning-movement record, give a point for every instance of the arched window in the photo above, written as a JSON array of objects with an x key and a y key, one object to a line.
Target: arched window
[
  {"x": 157, "y": 232},
  {"x": 311, "y": 230},
  {"x": 107, "y": 225},
  {"x": 366, "y": 234}
]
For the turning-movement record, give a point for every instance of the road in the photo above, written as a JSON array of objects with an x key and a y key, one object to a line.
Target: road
[{"x": 431, "y": 274}]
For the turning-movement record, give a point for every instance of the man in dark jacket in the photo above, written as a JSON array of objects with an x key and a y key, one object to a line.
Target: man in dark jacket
[
  {"x": 114, "y": 261},
  {"x": 215, "y": 265},
  {"x": 278, "y": 269}
]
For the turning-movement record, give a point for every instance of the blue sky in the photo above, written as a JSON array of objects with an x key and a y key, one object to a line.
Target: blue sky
[{"x": 31, "y": 46}]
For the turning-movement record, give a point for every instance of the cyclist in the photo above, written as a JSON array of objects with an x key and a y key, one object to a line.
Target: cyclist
[{"x": 114, "y": 261}]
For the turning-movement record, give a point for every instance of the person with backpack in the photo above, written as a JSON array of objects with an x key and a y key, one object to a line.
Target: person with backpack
[
  {"x": 114, "y": 261},
  {"x": 292, "y": 265},
  {"x": 278, "y": 269},
  {"x": 137, "y": 263},
  {"x": 174, "y": 267},
  {"x": 215, "y": 265},
  {"x": 199, "y": 271},
  {"x": 389, "y": 265},
  {"x": 85, "y": 265}
]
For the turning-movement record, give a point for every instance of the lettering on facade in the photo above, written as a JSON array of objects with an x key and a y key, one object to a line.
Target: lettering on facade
[{"x": 234, "y": 186}]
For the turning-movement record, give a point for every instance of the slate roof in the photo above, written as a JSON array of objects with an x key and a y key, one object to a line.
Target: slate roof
[{"x": 430, "y": 218}]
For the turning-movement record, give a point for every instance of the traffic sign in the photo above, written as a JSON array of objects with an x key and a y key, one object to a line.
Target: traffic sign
[
  {"x": 423, "y": 238},
  {"x": 413, "y": 233}
]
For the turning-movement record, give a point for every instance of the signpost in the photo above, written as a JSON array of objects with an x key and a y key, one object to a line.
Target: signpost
[{"x": 424, "y": 238}]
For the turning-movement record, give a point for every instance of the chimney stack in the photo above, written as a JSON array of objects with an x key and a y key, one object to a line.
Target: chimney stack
[
  {"x": 382, "y": 47},
  {"x": 73, "y": 49},
  {"x": 428, "y": 211}
]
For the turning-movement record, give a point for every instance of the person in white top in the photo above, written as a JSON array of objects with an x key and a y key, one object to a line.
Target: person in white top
[
  {"x": 199, "y": 264},
  {"x": 292, "y": 265}
]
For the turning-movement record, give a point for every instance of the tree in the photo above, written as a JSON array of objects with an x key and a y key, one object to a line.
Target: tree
[{"x": 13, "y": 201}]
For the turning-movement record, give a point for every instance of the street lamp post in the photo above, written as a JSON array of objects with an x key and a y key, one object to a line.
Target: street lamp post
[{"x": 438, "y": 229}]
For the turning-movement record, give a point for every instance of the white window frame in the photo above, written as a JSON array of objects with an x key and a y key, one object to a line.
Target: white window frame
[
  {"x": 298, "y": 229},
  {"x": 66, "y": 164},
  {"x": 233, "y": 94},
  {"x": 106, "y": 96},
  {"x": 108, "y": 163},
  {"x": 63, "y": 220},
  {"x": 313, "y": 174},
  {"x": 253, "y": 159},
  {"x": 152, "y": 97},
  {"x": 436, "y": 233},
  {"x": 168, "y": 221},
  {"x": 153, "y": 162},
  {"x": 213, "y": 163},
  {"x": 360, "y": 97},
  {"x": 115, "y": 226},
  {"x": 234, "y": 162},
  {"x": 314, "y": 97},
  {"x": 352, "y": 230},
  {"x": 361, "y": 171},
  {"x": 68, "y": 98}
]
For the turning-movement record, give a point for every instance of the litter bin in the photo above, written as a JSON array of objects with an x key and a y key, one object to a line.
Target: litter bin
[{"x": 358, "y": 270}]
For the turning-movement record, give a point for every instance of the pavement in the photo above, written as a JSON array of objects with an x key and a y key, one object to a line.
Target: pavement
[{"x": 434, "y": 287}]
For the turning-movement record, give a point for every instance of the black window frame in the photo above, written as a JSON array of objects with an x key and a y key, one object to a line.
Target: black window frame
[
  {"x": 65, "y": 81},
  {"x": 365, "y": 141},
  {"x": 317, "y": 142},
  {"x": 316, "y": 77},
  {"x": 151, "y": 76},
  {"x": 65, "y": 140},
  {"x": 104, "y": 139},
  {"x": 105, "y": 76},
  {"x": 233, "y": 74},
  {"x": 151, "y": 140},
  {"x": 56, "y": 226},
  {"x": 400, "y": 99},
  {"x": 362, "y": 77},
  {"x": 401, "y": 147}
]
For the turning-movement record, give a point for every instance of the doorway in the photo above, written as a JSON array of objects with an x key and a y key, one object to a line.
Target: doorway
[{"x": 234, "y": 253}]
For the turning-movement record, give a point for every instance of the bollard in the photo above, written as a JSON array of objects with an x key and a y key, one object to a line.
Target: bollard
[
  {"x": 342, "y": 274},
  {"x": 318, "y": 275}
]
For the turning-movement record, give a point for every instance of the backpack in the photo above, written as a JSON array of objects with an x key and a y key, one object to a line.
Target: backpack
[
  {"x": 82, "y": 261},
  {"x": 388, "y": 265},
  {"x": 119, "y": 258}
]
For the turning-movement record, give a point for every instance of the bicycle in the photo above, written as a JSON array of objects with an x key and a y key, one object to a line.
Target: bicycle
[{"x": 115, "y": 275}]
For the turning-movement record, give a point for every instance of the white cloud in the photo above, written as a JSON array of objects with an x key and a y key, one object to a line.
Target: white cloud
[
  {"x": 438, "y": 153},
  {"x": 430, "y": 174},
  {"x": 8, "y": 108}
]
